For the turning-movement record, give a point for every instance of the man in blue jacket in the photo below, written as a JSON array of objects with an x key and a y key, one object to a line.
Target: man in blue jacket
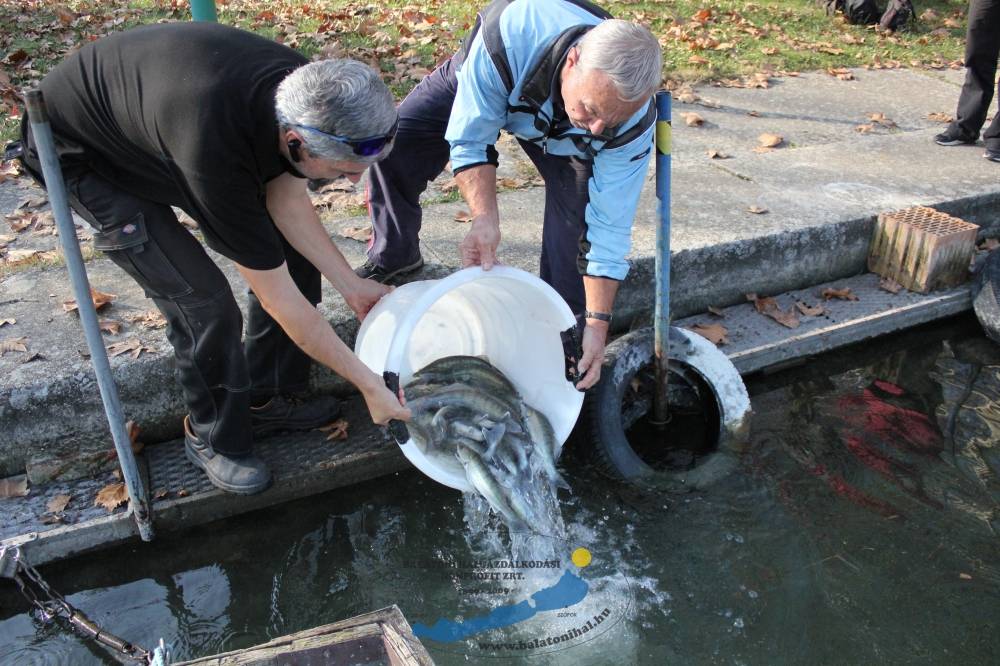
[{"x": 575, "y": 87}]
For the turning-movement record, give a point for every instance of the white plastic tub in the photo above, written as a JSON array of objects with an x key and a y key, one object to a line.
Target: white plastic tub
[{"x": 505, "y": 314}]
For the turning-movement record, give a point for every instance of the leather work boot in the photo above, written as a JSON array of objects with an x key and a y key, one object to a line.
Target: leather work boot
[
  {"x": 369, "y": 271},
  {"x": 245, "y": 475},
  {"x": 286, "y": 412}
]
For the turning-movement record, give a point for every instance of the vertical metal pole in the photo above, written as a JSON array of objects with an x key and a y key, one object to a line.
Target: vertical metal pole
[
  {"x": 203, "y": 10},
  {"x": 42, "y": 132},
  {"x": 661, "y": 323}
]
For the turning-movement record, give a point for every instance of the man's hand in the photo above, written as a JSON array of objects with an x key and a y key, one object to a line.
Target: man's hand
[
  {"x": 382, "y": 404},
  {"x": 595, "y": 338},
  {"x": 479, "y": 247},
  {"x": 362, "y": 296}
]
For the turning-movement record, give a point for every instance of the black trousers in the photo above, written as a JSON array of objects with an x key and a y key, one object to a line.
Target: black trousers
[
  {"x": 982, "y": 50},
  {"x": 220, "y": 375},
  {"x": 420, "y": 153}
]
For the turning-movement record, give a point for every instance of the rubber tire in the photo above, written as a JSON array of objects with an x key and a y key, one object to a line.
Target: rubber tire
[
  {"x": 625, "y": 357},
  {"x": 984, "y": 299}
]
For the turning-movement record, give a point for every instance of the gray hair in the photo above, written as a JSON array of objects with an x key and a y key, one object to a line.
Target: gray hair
[
  {"x": 342, "y": 97},
  {"x": 628, "y": 53}
]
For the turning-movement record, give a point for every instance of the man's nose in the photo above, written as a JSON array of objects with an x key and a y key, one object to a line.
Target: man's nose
[
  {"x": 353, "y": 177},
  {"x": 597, "y": 126}
]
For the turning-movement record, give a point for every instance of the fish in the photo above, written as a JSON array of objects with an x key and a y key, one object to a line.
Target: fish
[
  {"x": 546, "y": 447},
  {"x": 486, "y": 484},
  {"x": 471, "y": 370}
]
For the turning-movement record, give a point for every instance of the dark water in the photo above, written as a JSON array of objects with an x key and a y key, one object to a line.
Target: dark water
[{"x": 861, "y": 528}]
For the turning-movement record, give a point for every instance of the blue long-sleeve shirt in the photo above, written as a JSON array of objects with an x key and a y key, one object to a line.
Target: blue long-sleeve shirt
[{"x": 481, "y": 110}]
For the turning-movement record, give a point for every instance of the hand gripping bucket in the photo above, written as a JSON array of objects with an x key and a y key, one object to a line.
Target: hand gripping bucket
[{"x": 507, "y": 315}]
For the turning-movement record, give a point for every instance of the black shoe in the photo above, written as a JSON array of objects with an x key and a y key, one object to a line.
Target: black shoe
[
  {"x": 992, "y": 155},
  {"x": 949, "y": 138},
  {"x": 245, "y": 475},
  {"x": 292, "y": 413},
  {"x": 369, "y": 271}
]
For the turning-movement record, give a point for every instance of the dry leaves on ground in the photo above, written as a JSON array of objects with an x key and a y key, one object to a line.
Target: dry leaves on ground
[
  {"x": 363, "y": 234},
  {"x": 889, "y": 285},
  {"x": 692, "y": 119},
  {"x": 757, "y": 210},
  {"x": 14, "y": 486},
  {"x": 110, "y": 326},
  {"x": 768, "y": 140},
  {"x": 880, "y": 119},
  {"x": 769, "y": 307},
  {"x": 809, "y": 310},
  {"x": 100, "y": 299},
  {"x": 133, "y": 430},
  {"x": 939, "y": 117},
  {"x": 718, "y": 312},
  {"x": 111, "y": 496},
  {"x": 134, "y": 347},
  {"x": 336, "y": 430},
  {"x": 841, "y": 73},
  {"x": 717, "y": 155},
  {"x": 9, "y": 321},
  {"x": 13, "y": 345},
  {"x": 57, "y": 504},
  {"x": 842, "y": 294},
  {"x": 464, "y": 216},
  {"x": 714, "y": 333},
  {"x": 150, "y": 319}
]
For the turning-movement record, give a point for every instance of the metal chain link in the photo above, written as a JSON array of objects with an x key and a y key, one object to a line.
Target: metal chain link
[{"x": 51, "y": 605}]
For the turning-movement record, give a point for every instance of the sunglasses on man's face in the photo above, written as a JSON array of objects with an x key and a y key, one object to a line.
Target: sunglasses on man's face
[{"x": 366, "y": 147}]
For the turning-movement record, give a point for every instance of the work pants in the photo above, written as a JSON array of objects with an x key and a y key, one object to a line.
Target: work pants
[
  {"x": 982, "y": 50},
  {"x": 420, "y": 154},
  {"x": 220, "y": 376}
]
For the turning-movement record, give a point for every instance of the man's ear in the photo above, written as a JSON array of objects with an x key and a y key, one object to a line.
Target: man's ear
[{"x": 573, "y": 57}]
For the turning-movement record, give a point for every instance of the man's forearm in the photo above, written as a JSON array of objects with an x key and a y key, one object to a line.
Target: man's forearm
[
  {"x": 599, "y": 293},
  {"x": 478, "y": 186}
]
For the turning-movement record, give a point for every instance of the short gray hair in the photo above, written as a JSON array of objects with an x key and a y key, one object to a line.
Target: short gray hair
[
  {"x": 342, "y": 97},
  {"x": 628, "y": 53}
]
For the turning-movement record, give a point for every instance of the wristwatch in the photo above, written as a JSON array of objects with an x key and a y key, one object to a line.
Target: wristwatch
[{"x": 600, "y": 316}]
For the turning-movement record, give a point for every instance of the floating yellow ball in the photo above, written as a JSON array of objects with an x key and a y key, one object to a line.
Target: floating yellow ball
[{"x": 581, "y": 557}]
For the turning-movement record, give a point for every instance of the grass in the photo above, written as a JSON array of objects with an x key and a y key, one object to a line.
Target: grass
[{"x": 724, "y": 41}]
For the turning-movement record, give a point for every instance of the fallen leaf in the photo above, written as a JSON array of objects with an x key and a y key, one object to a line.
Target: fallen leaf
[
  {"x": 769, "y": 50},
  {"x": 363, "y": 234},
  {"x": 53, "y": 519},
  {"x": 717, "y": 155},
  {"x": 133, "y": 347},
  {"x": 952, "y": 23},
  {"x": 13, "y": 345},
  {"x": 965, "y": 576},
  {"x": 890, "y": 285},
  {"x": 448, "y": 186},
  {"x": 768, "y": 140},
  {"x": 34, "y": 356},
  {"x": 830, "y": 50},
  {"x": 150, "y": 319},
  {"x": 880, "y": 119},
  {"x": 14, "y": 486},
  {"x": 133, "y": 430},
  {"x": 337, "y": 430},
  {"x": 753, "y": 114},
  {"x": 769, "y": 307},
  {"x": 30, "y": 203},
  {"x": 808, "y": 310},
  {"x": 111, "y": 496},
  {"x": 843, "y": 294},
  {"x": 714, "y": 333},
  {"x": 99, "y": 298},
  {"x": 697, "y": 60},
  {"x": 463, "y": 216},
  {"x": 764, "y": 304},
  {"x": 692, "y": 119},
  {"x": 939, "y": 117},
  {"x": 718, "y": 312},
  {"x": 57, "y": 504},
  {"x": 756, "y": 210},
  {"x": 183, "y": 492},
  {"x": 110, "y": 326},
  {"x": 841, "y": 73},
  {"x": 160, "y": 493},
  {"x": 14, "y": 257},
  {"x": 865, "y": 129},
  {"x": 10, "y": 321}
]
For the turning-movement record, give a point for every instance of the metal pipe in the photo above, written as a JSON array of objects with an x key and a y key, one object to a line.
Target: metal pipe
[
  {"x": 203, "y": 10},
  {"x": 42, "y": 132},
  {"x": 661, "y": 322}
]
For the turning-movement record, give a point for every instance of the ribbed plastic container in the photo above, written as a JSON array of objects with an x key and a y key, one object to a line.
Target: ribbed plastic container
[{"x": 507, "y": 315}]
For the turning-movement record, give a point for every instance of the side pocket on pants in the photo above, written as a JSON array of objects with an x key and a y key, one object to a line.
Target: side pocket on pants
[{"x": 129, "y": 245}]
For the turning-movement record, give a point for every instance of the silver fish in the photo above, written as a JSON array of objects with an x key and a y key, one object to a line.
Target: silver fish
[{"x": 483, "y": 481}]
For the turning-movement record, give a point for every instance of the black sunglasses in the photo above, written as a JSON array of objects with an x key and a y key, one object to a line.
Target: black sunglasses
[{"x": 371, "y": 145}]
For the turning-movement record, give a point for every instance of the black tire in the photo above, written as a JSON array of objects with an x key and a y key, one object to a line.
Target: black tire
[
  {"x": 985, "y": 289},
  {"x": 693, "y": 360}
]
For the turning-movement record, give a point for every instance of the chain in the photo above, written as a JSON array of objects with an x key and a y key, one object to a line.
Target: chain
[{"x": 51, "y": 605}]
